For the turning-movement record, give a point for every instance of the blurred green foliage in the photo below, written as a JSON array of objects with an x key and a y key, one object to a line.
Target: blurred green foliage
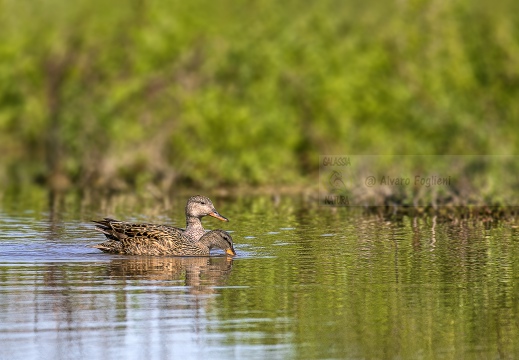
[{"x": 132, "y": 94}]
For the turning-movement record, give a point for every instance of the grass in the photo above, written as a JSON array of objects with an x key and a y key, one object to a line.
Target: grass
[{"x": 150, "y": 95}]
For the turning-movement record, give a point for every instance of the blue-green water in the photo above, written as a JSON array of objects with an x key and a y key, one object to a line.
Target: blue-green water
[{"x": 309, "y": 282}]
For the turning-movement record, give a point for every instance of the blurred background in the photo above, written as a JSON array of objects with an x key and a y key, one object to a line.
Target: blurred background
[{"x": 152, "y": 96}]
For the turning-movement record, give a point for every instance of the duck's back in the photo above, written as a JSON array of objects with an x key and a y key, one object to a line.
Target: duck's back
[{"x": 139, "y": 239}]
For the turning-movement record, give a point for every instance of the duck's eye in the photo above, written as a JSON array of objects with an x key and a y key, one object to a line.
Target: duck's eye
[{"x": 202, "y": 202}]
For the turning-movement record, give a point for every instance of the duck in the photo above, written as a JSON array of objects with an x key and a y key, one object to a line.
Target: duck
[
  {"x": 155, "y": 240},
  {"x": 197, "y": 207}
]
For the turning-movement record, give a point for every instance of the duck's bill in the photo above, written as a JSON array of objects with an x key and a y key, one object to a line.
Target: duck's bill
[
  {"x": 218, "y": 216},
  {"x": 230, "y": 252}
]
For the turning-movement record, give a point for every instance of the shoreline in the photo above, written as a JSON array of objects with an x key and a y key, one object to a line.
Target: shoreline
[{"x": 388, "y": 207}]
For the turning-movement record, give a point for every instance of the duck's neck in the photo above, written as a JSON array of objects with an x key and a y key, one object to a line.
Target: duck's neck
[
  {"x": 194, "y": 229},
  {"x": 192, "y": 222}
]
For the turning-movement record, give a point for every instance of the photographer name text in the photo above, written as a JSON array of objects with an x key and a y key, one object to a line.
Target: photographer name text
[{"x": 417, "y": 180}]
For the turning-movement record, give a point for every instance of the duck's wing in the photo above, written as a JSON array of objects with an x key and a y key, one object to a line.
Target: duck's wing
[
  {"x": 155, "y": 241},
  {"x": 140, "y": 239},
  {"x": 119, "y": 230}
]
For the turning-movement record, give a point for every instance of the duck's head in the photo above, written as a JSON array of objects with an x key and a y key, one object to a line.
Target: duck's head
[
  {"x": 199, "y": 206},
  {"x": 219, "y": 239}
]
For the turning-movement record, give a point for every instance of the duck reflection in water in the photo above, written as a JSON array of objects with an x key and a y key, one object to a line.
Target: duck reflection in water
[{"x": 201, "y": 273}]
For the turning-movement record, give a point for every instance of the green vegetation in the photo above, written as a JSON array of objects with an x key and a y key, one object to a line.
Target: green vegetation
[{"x": 148, "y": 94}]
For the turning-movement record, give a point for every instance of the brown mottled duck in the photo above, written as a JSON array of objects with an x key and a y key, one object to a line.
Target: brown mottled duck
[
  {"x": 197, "y": 207},
  {"x": 149, "y": 239}
]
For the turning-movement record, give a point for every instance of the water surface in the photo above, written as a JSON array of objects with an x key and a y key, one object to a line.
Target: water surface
[{"x": 309, "y": 282}]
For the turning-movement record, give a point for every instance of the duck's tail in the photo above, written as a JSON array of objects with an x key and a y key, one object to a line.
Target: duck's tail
[
  {"x": 110, "y": 246},
  {"x": 105, "y": 227}
]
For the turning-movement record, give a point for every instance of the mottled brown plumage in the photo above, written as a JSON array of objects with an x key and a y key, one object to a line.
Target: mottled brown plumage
[{"x": 151, "y": 239}]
